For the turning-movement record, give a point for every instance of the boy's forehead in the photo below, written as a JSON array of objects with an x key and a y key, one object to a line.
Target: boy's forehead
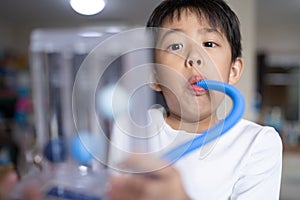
[
  {"x": 178, "y": 15},
  {"x": 179, "y": 18},
  {"x": 189, "y": 20}
]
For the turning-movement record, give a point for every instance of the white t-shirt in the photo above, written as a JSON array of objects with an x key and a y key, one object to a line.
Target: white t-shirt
[{"x": 244, "y": 163}]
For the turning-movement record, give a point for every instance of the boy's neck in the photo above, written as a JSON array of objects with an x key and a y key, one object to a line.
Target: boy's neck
[{"x": 191, "y": 127}]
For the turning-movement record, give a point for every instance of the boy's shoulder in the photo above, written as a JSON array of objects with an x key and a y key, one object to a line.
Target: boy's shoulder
[
  {"x": 250, "y": 126},
  {"x": 257, "y": 134}
]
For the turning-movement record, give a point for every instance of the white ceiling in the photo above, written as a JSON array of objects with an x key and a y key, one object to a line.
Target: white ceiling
[{"x": 40, "y": 13}]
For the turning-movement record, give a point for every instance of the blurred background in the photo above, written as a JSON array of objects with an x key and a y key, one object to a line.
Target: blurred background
[{"x": 271, "y": 49}]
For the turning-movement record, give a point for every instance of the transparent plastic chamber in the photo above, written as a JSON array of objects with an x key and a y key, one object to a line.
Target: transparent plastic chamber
[{"x": 70, "y": 68}]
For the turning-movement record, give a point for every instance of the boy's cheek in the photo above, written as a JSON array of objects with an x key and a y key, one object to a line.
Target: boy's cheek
[
  {"x": 171, "y": 80},
  {"x": 171, "y": 59}
]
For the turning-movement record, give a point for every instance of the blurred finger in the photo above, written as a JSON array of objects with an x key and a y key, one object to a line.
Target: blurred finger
[
  {"x": 126, "y": 188},
  {"x": 144, "y": 164},
  {"x": 32, "y": 193}
]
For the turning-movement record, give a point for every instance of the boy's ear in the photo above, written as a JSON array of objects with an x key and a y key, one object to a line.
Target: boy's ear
[
  {"x": 153, "y": 82},
  {"x": 236, "y": 70}
]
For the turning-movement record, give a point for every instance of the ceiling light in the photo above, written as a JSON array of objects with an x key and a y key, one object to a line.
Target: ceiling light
[
  {"x": 87, "y": 7},
  {"x": 114, "y": 29},
  {"x": 90, "y": 34}
]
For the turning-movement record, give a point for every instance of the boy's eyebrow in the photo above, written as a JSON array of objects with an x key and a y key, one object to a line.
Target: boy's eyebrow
[
  {"x": 170, "y": 31},
  {"x": 210, "y": 30}
]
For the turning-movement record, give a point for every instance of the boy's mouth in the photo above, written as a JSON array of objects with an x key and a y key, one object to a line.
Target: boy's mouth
[{"x": 196, "y": 89}]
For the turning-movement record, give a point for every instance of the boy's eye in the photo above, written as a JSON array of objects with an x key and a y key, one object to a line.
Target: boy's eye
[
  {"x": 209, "y": 44},
  {"x": 174, "y": 47}
]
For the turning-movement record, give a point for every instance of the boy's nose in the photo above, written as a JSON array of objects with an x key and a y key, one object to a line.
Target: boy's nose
[
  {"x": 194, "y": 56},
  {"x": 194, "y": 62}
]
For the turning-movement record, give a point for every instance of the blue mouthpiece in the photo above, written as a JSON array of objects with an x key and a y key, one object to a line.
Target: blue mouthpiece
[
  {"x": 203, "y": 84},
  {"x": 219, "y": 129}
]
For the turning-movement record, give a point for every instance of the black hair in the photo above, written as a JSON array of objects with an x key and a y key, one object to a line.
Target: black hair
[{"x": 216, "y": 12}]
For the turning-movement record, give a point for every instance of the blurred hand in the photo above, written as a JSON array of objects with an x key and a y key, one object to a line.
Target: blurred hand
[
  {"x": 32, "y": 193},
  {"x": 8, "y": 180},
  {"x": 159, "y": 181},
  {"x": 8, "y": 183}
]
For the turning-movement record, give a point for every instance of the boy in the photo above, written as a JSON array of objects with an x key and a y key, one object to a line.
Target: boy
[{"x": 245, "y": 163}]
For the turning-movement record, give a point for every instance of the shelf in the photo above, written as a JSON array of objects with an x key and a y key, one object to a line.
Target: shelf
[{"x": 291, "y": 149}]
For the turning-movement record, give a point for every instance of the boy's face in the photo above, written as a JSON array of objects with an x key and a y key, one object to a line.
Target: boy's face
[{"x": 189, "y": 50}]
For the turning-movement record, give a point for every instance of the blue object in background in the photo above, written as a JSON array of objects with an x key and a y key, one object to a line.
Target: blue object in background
[
  {"x": 5, "y": 155},
  {"x": 84, "y": 147},
  {"x": 55, "y": 150}
]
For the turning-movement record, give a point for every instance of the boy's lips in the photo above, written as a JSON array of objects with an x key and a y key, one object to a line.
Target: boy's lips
[{"x": 192, "y": 85}]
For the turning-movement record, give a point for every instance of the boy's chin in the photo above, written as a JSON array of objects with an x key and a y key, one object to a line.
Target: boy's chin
[{"x": 193, "y": 117}]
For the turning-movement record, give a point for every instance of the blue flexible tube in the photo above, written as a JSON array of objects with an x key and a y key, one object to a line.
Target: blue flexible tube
[{"x": 219, "y": 129}]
